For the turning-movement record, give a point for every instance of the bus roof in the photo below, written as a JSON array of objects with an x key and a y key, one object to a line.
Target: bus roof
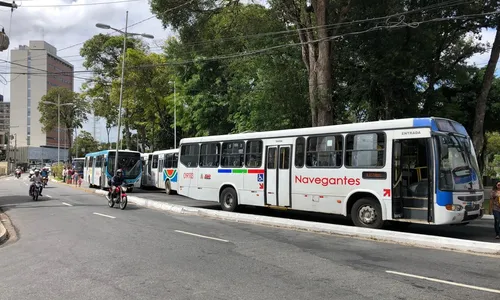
[
  {"x": 165, "y": 151},
  {"x": 107, "y": 151},
  {"x": 436, "y": 124}
]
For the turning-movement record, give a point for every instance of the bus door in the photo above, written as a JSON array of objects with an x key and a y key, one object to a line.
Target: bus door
[
  {"x": 104, "y": 176},
  {"x": 154, "y": 171},
  {"x": 412, "y": 197},
  {"x": 159, "y": 174},
  {"x": 277, "y": 175}
]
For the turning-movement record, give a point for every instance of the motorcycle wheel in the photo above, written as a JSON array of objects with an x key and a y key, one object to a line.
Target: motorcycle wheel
[
  {"x": 111, "y": 202},
  {"x": 123, "y": 203},
  {"x": 35, "y": 195}
]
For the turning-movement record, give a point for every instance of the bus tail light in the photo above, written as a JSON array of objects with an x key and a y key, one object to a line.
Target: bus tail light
[{"x": 454, "y": 207}]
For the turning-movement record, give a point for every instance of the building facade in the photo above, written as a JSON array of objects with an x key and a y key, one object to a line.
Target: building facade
[
  {"x": 4, "y": 125},
  {"x": 34, "y": 70}
]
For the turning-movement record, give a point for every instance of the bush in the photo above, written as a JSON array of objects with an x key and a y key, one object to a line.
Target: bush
[{"x": 57, "y": 170}]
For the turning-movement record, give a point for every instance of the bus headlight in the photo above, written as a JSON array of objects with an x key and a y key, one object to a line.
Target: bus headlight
[{"x": 454, "y": 207}]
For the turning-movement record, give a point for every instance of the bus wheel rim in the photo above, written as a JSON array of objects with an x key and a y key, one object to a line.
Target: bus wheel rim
[
  {"x": 367, "y": 214},
  {"x": 228, "y": 200}
]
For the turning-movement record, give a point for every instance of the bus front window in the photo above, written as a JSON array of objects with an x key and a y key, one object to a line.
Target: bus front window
[
  {"x": 458, "y": 169},
  {"x": 129, "y": 163}
]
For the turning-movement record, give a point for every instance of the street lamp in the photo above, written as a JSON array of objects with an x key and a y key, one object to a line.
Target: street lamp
[
  {"x": 58, "y": 122},
  {"x": 175, "y": 116},
  {"x": 125, "y": 34}
]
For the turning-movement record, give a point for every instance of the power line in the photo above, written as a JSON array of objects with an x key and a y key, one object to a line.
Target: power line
[
  {"x": 263, "y": 50},
  {"x": 78, "y": 4}
]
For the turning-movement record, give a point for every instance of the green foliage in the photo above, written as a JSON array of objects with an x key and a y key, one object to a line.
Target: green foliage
[
  {"x": 57, "y": 170},
  {"x": 73, "y": 110},
  {"x": 84, "y": 143}
]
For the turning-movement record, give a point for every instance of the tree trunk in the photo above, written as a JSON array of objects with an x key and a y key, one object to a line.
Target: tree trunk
[
  {"x": 323, "y": 66},
  {"x": 478, "y": 130}
]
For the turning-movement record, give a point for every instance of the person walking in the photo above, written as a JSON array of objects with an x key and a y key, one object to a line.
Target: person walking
[{"x": 495, "y": 204}]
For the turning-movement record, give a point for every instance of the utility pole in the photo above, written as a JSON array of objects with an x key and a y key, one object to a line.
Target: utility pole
[{"x": 15, "y": 149}]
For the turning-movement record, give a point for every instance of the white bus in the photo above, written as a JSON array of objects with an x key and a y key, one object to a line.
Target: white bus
[
  {"x": 161, "y": 169},
  {"x": 146, "y": 180},
  {"x": 416, "y": 170},
  {"x": 99, "y": 167}
]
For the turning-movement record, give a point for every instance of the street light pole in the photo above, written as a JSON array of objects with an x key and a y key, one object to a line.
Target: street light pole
[
  {"x": 58, "y": 127},
  {"x": 175, "y": 117},
  {"x": 121, "y": 89},
  {"x": 125, "y": 34}
]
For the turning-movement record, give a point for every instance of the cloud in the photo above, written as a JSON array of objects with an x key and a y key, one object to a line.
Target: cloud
[{"x": 66, "y": 26}]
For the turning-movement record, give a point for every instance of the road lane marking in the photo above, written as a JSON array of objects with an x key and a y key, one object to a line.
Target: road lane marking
[
  {"x": 67, "y": 204},
  {"x": 446, "y": 282},
  {"x": 202, "y": 236},
  {"x": 103, "y": 215},
  {"x": 49, "y": 196}
]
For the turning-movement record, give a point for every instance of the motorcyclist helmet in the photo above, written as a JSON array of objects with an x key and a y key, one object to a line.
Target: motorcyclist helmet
[
  {"x": 37, "y": 171},
  {"x": 119, "y": 172}
]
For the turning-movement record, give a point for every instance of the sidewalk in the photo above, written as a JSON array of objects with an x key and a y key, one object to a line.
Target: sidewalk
[{"x": 4, "y": 235}]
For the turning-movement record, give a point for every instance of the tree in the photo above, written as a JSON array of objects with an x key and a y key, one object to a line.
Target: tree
[
  {"x": 84, "y": 143},
  {"x": 478, "y": 130},
  {"x": 71, "y": 116},
  {"x": 103, "y": 54}
]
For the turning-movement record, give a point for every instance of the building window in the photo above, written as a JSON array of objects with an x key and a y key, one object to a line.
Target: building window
[
  {"x": 233, "y": 155},
  {"x": 209, "y": 155},
  {"x": 324, "y": 151},
  {"x": 365, "y": 150},
  {"x": 254, "y": 154}
]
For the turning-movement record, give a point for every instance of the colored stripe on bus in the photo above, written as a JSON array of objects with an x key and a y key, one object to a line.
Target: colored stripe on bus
[{"x": 241, "y": 171}]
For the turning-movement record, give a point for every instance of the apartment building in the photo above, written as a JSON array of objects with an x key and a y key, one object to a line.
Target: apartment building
[{"x": 34, "y": 70}]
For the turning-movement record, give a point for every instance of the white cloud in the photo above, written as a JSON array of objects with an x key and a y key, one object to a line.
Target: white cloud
[
  {"x": 69, "y": 25},
  {"x": 487, "y": 37}
]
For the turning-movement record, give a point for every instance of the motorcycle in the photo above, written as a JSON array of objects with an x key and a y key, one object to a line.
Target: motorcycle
[
  {"x": 45, "y": 180},
  {"x": 35, "y": 191},
  {"x": 118, "y": 196},
  {"x": 18, "y": 174}
]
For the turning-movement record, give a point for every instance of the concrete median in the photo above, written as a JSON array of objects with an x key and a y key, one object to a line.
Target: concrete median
[{"x": 419, "y": 240}]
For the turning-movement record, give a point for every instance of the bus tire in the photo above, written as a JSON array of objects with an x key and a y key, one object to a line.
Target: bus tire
[
  {"x": 228, "y": 199},
  {"x": 168, "y": 187},
  {"x": 366, "y": 212}
]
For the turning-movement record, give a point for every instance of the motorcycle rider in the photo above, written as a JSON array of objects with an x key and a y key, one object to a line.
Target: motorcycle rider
[
  {"x": 36, "y": 178},
  {"x": 18, "y": 171},
  {"x": 44, "y": 173},
  {"x": 116, "y": 181}
]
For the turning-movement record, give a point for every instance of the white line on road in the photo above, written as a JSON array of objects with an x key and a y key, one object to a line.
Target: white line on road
[
  {"x": 446, "y": 282},
  {"x": 49, "y": 196},
  {"x": 103, "y": 215},
  {"x": 202, "y": 236},
  {"x": 67, "y": 204}
]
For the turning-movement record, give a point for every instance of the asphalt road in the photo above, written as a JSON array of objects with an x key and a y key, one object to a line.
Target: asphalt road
[
  {"x": 481, "y": 230},
  {"x": 72, "y": 246}
]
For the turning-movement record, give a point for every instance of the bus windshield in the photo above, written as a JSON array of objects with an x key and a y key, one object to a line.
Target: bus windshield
[
  {"x": 458, "y": 168},
  {"x": 130, "y": 163},
  {"x": 78, "y": 164}
]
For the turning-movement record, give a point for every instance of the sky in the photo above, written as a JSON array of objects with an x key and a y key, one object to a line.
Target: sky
[{"x": 69, "y": 23}]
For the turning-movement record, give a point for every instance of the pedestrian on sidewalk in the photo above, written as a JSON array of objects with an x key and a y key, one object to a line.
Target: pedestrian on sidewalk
[
  {"x": 495, "y": 204},
  {"x": 75, "y": 178},
  {"x": 64, "y": 173}
]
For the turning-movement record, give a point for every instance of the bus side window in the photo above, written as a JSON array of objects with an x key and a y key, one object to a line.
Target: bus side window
[
  {"x": 233, "y": 154},
  {"x": 300, "y": 145},
  {"x": 167, "y": 163},
  {"x": 254, "y": 154},
  {"x": 209, "y": 155},
  {"x": 175, "y": 159},
  {"x": 155, "y": 161}
]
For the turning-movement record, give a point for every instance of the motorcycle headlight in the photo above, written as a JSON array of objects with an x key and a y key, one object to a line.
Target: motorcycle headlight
[{"x": 124, "y": 188}]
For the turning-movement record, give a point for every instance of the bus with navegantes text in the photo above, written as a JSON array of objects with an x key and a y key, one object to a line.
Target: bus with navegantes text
[{"x": 414, "y": 170}]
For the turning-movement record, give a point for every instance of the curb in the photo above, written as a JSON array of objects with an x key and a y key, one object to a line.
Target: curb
[
  {"x": 3, "y": 233},
  {"x": 487, "y": 217},
  {"x": 404, "y": 238}
]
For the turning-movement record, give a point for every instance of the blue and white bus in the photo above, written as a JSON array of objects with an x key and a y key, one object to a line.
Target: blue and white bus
[
  {"x": 78, "y": 164},
  {"x": 99, "y": 167},
  {"x": 415, "y": 170}
]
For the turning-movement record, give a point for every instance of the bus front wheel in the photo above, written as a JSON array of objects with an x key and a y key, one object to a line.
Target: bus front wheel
[
  {"x": 366, "y": 212},
  {"x": 228, "y": 199}
]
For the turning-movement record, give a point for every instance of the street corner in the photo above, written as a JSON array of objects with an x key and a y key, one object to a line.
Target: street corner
[{"x": 4, "y": 234}]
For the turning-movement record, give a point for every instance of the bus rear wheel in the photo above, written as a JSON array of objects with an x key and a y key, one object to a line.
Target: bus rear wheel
[
  {"x": 228, "y": 199},
  {"x": 366, "y": 212}
]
